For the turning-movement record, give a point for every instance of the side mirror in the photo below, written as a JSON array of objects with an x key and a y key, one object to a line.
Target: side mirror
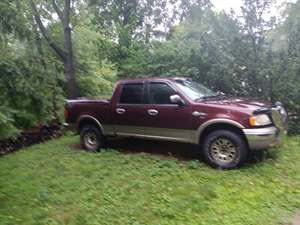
[
  {"x": 221, "y": 93},
  {"x": 176, "y": 99}
]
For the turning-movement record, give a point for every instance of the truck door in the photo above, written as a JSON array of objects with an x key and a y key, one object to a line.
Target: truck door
[
  {"x": 130, "y": 110},
  {"x": 165, "y": 119}
]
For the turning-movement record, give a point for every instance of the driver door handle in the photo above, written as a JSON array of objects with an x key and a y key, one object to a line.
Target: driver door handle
[
  {"x": 199, "y": 114},
  {"x": 120, "y": 110},
  {"x": 152, "y": 112}
]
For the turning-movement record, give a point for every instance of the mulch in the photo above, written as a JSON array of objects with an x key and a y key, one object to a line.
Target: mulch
[{"x": 38, "y": 134}]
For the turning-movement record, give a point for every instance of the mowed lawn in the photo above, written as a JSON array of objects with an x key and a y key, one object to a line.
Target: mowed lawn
[{"x": 56, "y": 183}]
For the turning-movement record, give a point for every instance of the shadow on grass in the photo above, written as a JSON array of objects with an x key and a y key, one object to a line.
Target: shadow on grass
[{"x": 181, "y": 151}]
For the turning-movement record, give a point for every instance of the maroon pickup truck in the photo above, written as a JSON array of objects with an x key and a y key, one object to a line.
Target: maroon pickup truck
[{"x": 179, "y": 109}]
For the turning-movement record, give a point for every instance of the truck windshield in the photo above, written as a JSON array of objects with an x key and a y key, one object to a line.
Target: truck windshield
[{"x": 194, "y": 90}]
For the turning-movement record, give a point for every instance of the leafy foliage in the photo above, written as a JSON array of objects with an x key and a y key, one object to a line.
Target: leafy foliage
[
  {"x": 96, "y": 75},
  {"x": 251, "y": 54},
  {"x": 31, "y": 76},
  {"x": 6, "y": 123}
]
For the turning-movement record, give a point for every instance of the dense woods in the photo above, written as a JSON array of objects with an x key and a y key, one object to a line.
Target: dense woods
[{"x": 58, "y": 49}]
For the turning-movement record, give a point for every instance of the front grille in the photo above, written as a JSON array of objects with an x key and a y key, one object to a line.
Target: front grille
[{"x": 277, "y": 118}]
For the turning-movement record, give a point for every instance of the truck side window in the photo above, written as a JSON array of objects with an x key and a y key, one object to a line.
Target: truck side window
[
  {"x": 131, "y": 94},
  {"x": 159, "y": 93}
]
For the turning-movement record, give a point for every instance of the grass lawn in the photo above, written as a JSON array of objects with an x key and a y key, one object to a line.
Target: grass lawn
[{"x": 55, "y": 183}]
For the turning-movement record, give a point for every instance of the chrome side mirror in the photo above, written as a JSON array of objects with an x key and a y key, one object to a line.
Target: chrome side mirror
[
  {"x": 176, "y": 99},
  {"x": 221, "y": 93}
]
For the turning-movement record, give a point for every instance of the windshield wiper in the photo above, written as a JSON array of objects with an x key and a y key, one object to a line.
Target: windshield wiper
[
  {"x": 217, "y": 95},
  {"x": 205, "y": 97}
]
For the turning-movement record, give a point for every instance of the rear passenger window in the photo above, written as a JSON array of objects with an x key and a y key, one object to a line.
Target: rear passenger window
[{"x": 132, "y": 94}]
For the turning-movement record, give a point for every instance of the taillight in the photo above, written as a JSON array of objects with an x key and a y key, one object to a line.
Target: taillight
[{"x": 66, "y": 114}]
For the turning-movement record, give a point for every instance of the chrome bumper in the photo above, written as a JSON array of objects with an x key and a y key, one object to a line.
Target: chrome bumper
[
  {"x": 70, "y": 127},
  {"x": 261, "y": 138}
]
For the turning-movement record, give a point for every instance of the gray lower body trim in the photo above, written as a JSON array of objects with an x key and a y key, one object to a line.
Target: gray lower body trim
[
  {"x": 262, "y": 138},
  {"x": 180, "y": 135},
  {"x": 258, "y": 138},
  {"x": 108, "y": 130}
]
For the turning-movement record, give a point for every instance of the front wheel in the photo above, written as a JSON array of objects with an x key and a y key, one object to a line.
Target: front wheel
[
  {"x": 225, "y": 149},
  {"x": 91, "y": 138}
]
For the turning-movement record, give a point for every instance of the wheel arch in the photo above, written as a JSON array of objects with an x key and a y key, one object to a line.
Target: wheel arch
[
  {"x": 220, "y": 124},
  {"x": 86, "y": 120}
]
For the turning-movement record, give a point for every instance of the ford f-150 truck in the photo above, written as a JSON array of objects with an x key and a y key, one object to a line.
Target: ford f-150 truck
[{"x": 179, "y": 109}]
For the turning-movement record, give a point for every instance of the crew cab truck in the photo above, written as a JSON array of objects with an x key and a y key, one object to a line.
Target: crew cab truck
[{"x": 181, "y": 110}]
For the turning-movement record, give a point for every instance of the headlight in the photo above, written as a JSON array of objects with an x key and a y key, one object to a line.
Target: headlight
[{"x": 259, "y": 120}]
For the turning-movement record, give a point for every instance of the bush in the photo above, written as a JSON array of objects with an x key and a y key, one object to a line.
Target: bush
[{"x": 7, "y": 128}]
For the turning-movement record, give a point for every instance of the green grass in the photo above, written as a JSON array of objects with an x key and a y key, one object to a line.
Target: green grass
[{"x": 53, "y": 183}]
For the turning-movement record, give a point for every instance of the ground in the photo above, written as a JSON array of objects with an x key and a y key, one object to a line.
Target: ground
[{"x": 57, "y": 183}]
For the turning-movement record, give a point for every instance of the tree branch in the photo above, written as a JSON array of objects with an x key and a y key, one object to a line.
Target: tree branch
[
  {"x": 57, "y": 10},
  {"x": 60, "y": 52}
]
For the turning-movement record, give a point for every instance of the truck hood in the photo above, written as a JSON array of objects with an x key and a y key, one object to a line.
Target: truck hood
[{"x": 247, "y": 105}]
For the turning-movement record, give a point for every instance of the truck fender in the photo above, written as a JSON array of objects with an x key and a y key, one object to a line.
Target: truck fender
[
  {"x": 90, "y": 118},
  {"x": 208, "y": 123}
]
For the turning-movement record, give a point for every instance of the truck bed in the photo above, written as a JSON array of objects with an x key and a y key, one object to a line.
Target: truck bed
[{"x": 100, "y": 109}]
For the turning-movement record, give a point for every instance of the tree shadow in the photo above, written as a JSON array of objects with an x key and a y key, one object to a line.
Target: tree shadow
[{"x": 180, "y": 151}]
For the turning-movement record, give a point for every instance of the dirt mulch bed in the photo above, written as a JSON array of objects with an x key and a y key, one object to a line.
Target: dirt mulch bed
[{"x": 35, "y": 135}]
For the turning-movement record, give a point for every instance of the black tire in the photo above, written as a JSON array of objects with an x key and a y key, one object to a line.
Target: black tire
[
  {"x": 91, "y": 138},
  {"x": 224, "y": 149}
]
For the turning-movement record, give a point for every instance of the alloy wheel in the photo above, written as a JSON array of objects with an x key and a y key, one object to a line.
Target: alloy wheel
[
  {"x": 223, "y": 150},
  {"x": 90, "y": 140}
]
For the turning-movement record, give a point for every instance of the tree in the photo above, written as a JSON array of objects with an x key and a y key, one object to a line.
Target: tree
[
  {"x": 131, "y": 21},
  {"x": 125, "y": 21},
  {"x": 256, "y": 24},
  {"x": 64, "y": 53},
  {"x": 285, "y": 40},
  {"x": 203, "y": 46}
]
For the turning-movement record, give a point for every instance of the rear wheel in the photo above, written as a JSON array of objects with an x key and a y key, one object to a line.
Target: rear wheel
[
  {"x": 225, "y": 149},
  {"x": 91, "y": 139}
]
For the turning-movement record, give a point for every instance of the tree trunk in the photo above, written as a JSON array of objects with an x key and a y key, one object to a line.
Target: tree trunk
[
  {"x": 69, "y": 64},
  {"x": 65, "y": 54},
  {"x": 69, "y": 61}
]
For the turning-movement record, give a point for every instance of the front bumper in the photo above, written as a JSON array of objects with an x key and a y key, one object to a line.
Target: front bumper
[
  {"x": 70, "y": 126},
  {"x": 262, "y": 138}
]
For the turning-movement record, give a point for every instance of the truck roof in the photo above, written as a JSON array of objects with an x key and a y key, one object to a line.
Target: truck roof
[{"x": 143, "y": 79}]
